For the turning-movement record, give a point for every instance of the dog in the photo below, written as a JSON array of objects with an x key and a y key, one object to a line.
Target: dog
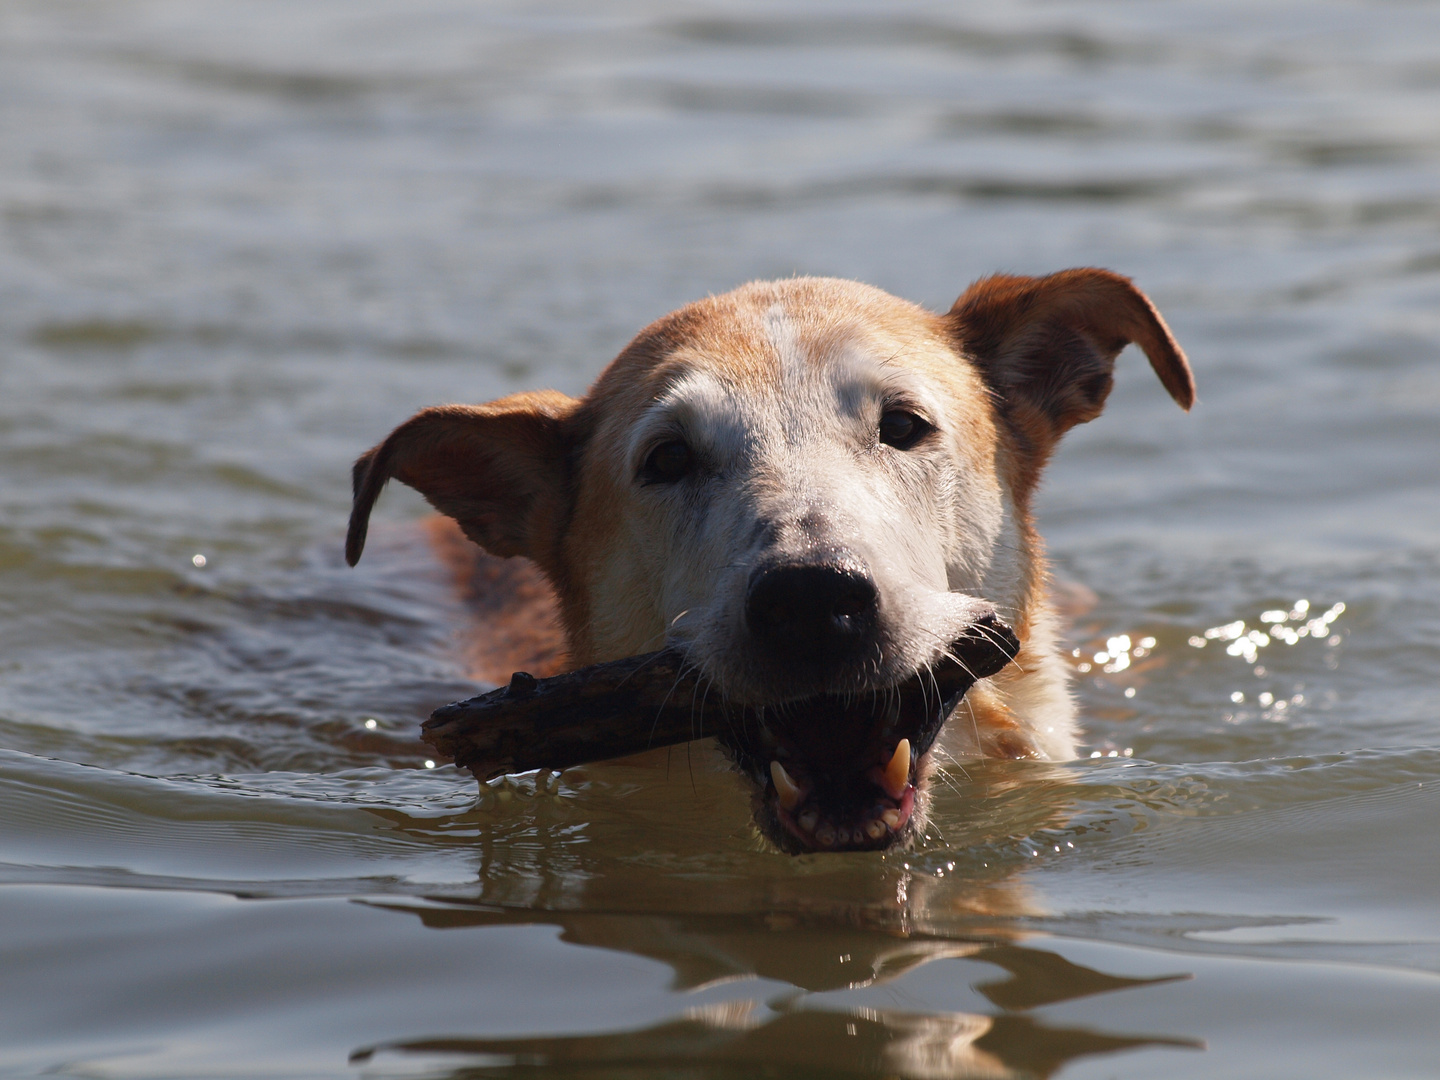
[{"x": 813, "y": 488}]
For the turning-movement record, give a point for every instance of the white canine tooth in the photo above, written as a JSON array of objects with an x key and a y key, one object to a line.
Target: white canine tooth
[
  {"x": 789, "y": 792},
  {"x": 809, "y": 819},
  {"x": 891, "y": 818},
  {"x": 876, "y": 828},
  {"x": 897, "y": 773}
]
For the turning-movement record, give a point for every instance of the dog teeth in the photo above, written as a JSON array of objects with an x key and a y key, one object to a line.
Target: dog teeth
[
  {"x": 791, "y": 796},
  {"x": 790, "y": 793},
  {"x": 897, "y": 773}
]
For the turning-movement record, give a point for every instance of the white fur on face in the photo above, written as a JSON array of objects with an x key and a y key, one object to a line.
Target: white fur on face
[{"x": 793, "y": 466}]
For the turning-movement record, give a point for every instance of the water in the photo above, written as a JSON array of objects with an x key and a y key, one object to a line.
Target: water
[{"x": 242, "y": 240}]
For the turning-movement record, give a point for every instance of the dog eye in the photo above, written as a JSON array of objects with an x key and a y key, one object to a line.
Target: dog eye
[
  {"x": 667, "y": 463},
  {"x": 902, "y": 429}
]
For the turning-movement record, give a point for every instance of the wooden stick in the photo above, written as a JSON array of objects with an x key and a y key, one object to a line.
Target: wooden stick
[{"x": 641, "y": 702}]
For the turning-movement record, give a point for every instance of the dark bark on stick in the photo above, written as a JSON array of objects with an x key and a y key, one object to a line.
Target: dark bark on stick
[{"x": 641, "y": 702}]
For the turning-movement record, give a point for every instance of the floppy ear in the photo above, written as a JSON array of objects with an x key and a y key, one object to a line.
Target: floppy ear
[
  {"x": 1047, "y": 345},
  {"x": 498, "y": 469}
]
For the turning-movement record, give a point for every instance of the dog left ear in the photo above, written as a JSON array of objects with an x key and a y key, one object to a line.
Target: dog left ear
[
  {"x": 498, "y": 469},
  {"x": 1047, "y": 345}
]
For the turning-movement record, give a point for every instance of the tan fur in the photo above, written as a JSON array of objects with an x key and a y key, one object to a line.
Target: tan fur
[
  {"x": 1013, "y": 365},
  {"x": 513, "y": 602}
]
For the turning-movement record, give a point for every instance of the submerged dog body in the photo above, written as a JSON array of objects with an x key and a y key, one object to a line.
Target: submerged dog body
[{"x": 813, "y": 487}]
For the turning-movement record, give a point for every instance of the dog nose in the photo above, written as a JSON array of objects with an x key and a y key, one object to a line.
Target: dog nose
[{"x": 811, "y": 612}]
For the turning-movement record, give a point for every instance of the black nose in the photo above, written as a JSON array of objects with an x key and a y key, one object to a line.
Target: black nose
[{"x": 811, "y": 613}]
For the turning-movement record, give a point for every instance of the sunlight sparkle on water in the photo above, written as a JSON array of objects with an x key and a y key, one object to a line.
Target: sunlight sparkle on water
[
  {"x": 1242, "y": 640},
  {"x": 1119, "y": 653},
  {"x": 1284, "y": 626}
]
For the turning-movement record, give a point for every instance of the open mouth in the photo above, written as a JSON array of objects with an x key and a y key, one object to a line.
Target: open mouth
[
  {"x": 836, "y": 772},
  {"x": 843, "y": 772}
]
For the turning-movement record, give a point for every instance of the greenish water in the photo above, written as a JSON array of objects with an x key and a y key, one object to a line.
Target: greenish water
[{"x": 240, "y": 241}]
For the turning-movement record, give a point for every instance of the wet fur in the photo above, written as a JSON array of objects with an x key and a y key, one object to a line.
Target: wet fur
[{"x": 778, "y": 387}]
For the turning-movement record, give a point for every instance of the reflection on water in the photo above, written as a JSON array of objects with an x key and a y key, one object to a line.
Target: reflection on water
[
  {"x": 733, "y": 1041},
  {"x": 239, "y": 242},
  {"x": 744, "y": 1036}
]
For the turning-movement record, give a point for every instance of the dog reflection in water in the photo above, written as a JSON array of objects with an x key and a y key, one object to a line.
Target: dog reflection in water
[
  {"x": 814, "y": 954},
  {"x": 813, "y": 488}
]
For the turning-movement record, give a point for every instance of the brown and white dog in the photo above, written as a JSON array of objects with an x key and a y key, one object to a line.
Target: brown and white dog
[{"x": 813, "y": 487}]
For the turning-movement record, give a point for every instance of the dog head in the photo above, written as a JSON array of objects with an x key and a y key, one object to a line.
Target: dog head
[{"x": 814, "y": 488}]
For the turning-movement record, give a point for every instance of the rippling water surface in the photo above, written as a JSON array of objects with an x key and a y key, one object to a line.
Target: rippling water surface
[{"x": 240, "y": 241}]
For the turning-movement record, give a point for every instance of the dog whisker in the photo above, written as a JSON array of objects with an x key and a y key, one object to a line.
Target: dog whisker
[{"x": 813, "y": 581}]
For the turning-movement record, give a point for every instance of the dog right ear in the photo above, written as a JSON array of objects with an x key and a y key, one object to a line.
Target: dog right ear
[
  {"x": 1047, "y": 345},
  {"x": 498, "y": 469}
]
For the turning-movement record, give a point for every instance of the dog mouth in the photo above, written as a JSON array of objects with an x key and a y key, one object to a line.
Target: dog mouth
[
  {"x": 847, "y": 772},
  {"x": 865, "y": 801}
]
